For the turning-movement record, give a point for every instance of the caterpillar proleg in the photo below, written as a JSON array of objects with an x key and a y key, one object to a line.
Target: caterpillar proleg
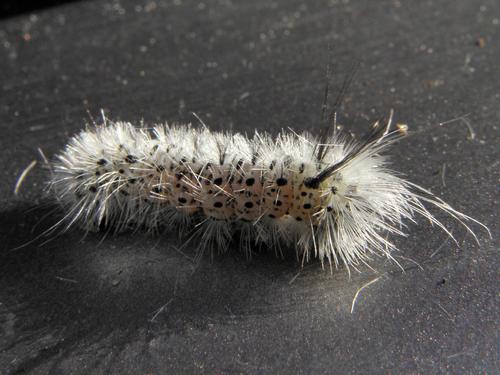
[{"x": 335, "y": 198}]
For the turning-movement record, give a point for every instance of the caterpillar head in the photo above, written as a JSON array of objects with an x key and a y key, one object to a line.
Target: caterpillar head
[
  {"x": 360, "y": 199},
  {"x": 363, "y": 202}
]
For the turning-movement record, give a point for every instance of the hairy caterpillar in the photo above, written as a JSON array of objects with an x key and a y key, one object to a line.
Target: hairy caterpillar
[{"x": 333, "y": 198}]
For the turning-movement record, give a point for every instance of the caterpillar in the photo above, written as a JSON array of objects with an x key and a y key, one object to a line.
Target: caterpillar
[{"x": 334, "y": 198}]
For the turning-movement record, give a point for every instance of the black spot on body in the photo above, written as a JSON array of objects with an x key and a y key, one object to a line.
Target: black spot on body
[
  {"x": 272, "y": 216},
  {"x": 218, "y": 204},
  {"x": 298, "y": 218},
  {"x": 307, "y": 206},
  {"x": 131, "y": 159},
  {"x": 254, "y": 159},
  {"x": 122, "y": 171},
  {"x": 281, "y": 181},
  {"x": 329, "y": 208},
  {"x": 278, "y": 203},
  {"x": 101, "y": 162},
  {"x": 182, "y": 200},
  {"x": 218, "y": 181},
  {"x": 312, "y": 182},
  {"x": 250, "y": 181},
  {"x": 334, "y": 190},
  {"x": 248, "y": 204},
  {"x": 93, "y": 189}
]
